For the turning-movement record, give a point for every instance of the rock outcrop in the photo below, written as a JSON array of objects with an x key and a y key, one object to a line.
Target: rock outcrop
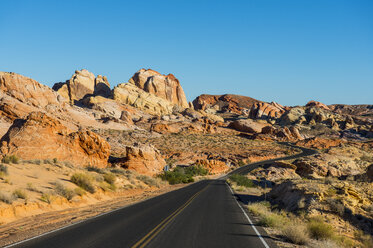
[
  {"x": 82, "y": 84},
  {"x": 370, "y": 173},
  {"x": 19, "y": 95},
  {"x": 317, "y": 104},
  {"x": 263, "y": 110},
  {"x": 247, "y": 125},
  {"x": 320, "y": 143},
  {"x": 130, "y": 94},
  {"x": 225, "y": 103},
  {"x": 42, "y": 137},
  {"x": 213, "y": 166},
  {"x": 166, "y": 87},
  {"x": 143, "y": 159}
]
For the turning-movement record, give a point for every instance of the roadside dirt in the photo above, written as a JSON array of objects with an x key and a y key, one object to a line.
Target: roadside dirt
[{"x": 38, "y": 224}]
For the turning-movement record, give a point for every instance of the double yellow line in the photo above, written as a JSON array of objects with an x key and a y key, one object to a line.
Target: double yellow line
[{"x": 148, "y": 237}]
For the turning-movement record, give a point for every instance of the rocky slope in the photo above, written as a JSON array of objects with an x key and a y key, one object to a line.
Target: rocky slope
[{"x": 41, "y": 137}]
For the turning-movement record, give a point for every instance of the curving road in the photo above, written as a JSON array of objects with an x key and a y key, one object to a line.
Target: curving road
[{"x": 203, "y": 214}]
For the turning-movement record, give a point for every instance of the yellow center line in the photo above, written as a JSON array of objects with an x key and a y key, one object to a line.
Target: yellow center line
[{"x": 145, "y": 240}]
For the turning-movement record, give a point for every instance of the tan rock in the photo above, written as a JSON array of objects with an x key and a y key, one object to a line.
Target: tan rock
[
  {"x": 213, "y": 166},
  {"x": 263, "y": 110},
  {"x": 143, "y": 159},
  {"x": 247, "y": 125},
  {"x": 27, "y": 90},
  {"x": 317, "y": 104},
  {"x": 42, "y": 137},
  {"x": 136, "y": 97},
  {"x": 166, "y": 87}
]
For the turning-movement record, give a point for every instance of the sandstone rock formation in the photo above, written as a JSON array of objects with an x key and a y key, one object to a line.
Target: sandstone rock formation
[
  {"x": 370, "y": 173},
  {"x": 213, "y": 166},
  {"x": 320, "y": 143},
  {"x": 225, "y": 103},
  {"x": 263, "y": 110},
  {"x": 317, "y": 104},
  {"x": 81, "y": 84},
  {"x": 143, "y": 159},
  {"x": 42, "y": 137},
  {"x": 247, "y": 125},
  {"x": 166, "y": 87},
  {"x": 130, "y": 94}
]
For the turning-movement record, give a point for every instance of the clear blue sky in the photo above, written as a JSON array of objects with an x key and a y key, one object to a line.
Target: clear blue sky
[{"x": 284, "y": 51}]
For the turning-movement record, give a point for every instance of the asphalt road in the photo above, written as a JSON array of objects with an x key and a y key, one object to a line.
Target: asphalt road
[{"x": 204, "y": 214}]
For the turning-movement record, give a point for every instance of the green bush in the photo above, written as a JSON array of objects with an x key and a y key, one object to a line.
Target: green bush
[
  {"x": 319, "y": 229},
  {"x": 242, "y": 180},
  {"x": 183, "y": 174},
  {"x": 46, "y": 197},
  {"x": 10, "y": 159},
  {"x": 296, "y": 233},
  {"x": 84, "y": 181}
]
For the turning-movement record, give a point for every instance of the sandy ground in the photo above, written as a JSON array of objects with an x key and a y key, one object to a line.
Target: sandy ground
[{"x": 34, "y": 225}]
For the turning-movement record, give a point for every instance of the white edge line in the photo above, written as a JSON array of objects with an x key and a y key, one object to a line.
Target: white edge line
[
  {"x": 91, "y": 218},
  {"x": 252, "y": 224}
]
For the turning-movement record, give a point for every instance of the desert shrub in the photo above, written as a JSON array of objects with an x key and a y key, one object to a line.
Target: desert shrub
[
  {"x": 110, "y": 178},
  {"x": 365, "y": 239},
  {"x": 4, "y": 169},
  {"x": 95, "y": 169},
  {"x": 7, "y": 198},
  {"x": 242, "y": 180},
  {"x": 61, "y": 190},
  {"x": 266, "y": 216},
  {"x": 19, "y": 193},
  {"x": 148, "y": 180},
  {"x": 296, "y": 233},
  {"x": 176, "y": 176},
  {"x": 31, "y": 187},
  {"x": 196, "y": 170},
  {"x": 336, "y": 206},
  {"x": 241, "y": 163},
  {"x": 46, "y": 197},
  {"x": 10, "y": 159},
  {"x": 79, "y": 191},
  {"x": 319, "y": 229},
  {"x": 84, "y": 181},
  {"x": 55, "y": 160}
]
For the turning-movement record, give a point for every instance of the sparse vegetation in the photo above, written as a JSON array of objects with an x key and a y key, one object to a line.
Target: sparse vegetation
[
  {"x": 61, "y": 190},
  {"x": 84, "y": 181},
  {"x": 79, "y": 191},
  {"x": 10, "y": 159},
  {"x": 7, "y": 198},
  {"x": 241, "y": 180},
  {"x": 183, "y": 174},
  {"x": 4, "y": 169},
  {"x": 148, "y": 180},
  {"x": 296, "y": 233},
  {"x": 319, "y": 229},
  {"x": 46, "y": 197},
  {"x": 110, "y": 178},
  {"x": 31, "y": 187},
  {"x": 20, "y": 193}
]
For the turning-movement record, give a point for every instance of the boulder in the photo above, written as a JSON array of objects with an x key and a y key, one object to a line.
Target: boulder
[
  {"x": 247, "y": 125},
  {"x": 166, "y": 87},
  {"x": 143, "y": 159},
  {"x": 42, "y": 137},
  {"x": 320, "y": 143}
]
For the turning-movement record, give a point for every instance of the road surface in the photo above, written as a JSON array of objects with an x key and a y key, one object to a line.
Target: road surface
[{"x": 203, "y": 214}]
